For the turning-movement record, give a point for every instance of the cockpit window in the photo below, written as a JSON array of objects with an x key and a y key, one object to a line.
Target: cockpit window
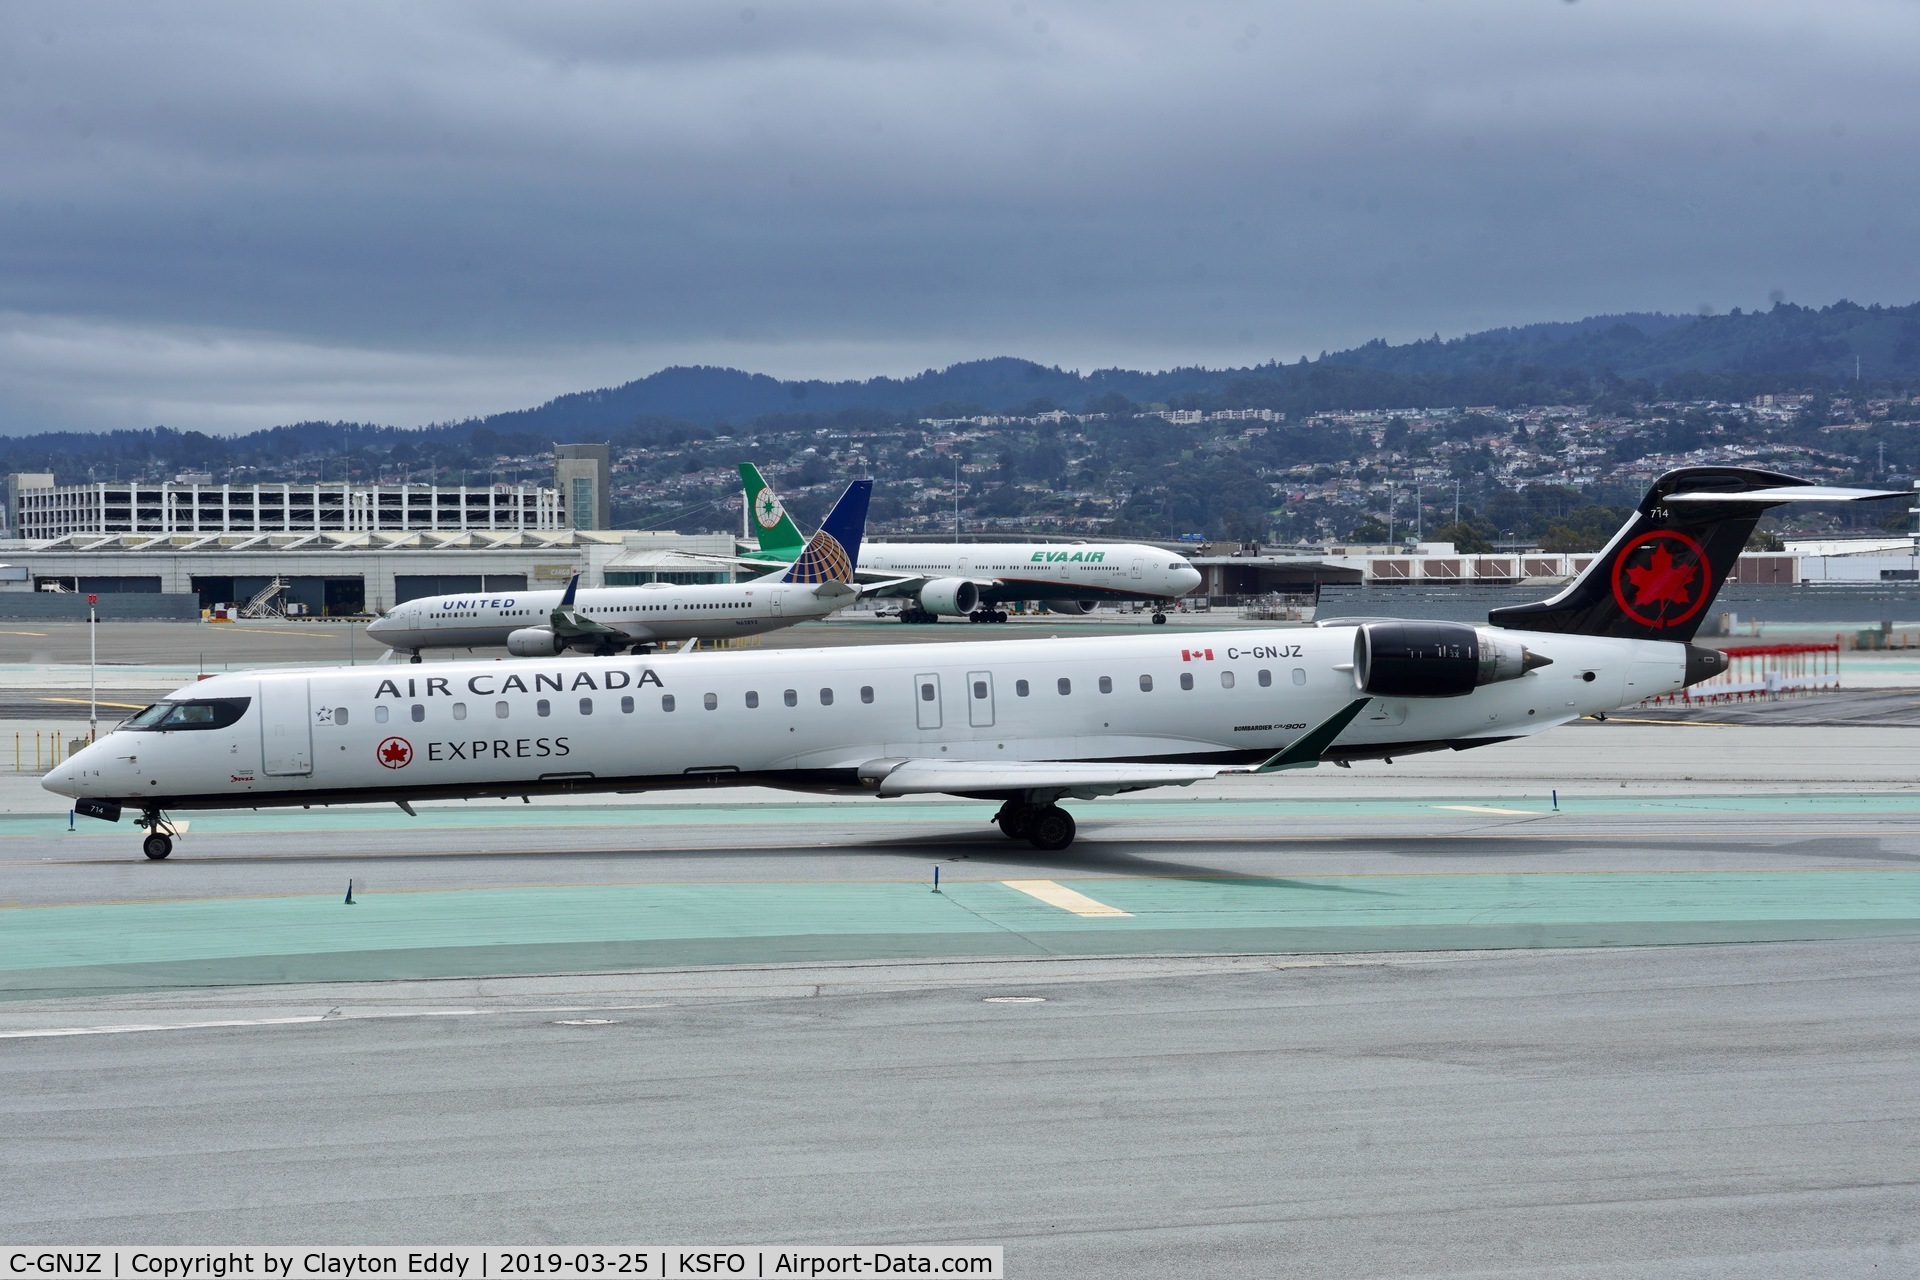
[{"x": 201, "y": 713}]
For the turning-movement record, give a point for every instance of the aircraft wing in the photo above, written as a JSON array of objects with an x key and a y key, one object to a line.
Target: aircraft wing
[
  {"x": 1080, "y": 780},
  {"x": 1085, "y": 779}
]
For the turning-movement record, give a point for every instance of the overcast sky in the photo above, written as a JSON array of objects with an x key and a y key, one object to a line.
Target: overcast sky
[{"x": 226, "y": 216}]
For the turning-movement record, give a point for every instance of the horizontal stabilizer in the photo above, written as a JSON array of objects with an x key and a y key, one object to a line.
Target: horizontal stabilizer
[{"x": 1773, "y": 497}]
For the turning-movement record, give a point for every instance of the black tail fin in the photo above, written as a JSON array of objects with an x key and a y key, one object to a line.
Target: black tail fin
[{"x": 1656, "y": 578}]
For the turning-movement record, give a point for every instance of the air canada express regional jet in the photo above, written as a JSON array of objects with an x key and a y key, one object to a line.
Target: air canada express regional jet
[{"x": 1028, "y": 723}]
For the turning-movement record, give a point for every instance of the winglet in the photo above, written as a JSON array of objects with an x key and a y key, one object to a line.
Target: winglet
[
  {"x": 833, "y": 553},
  {"x": 1304, "y": 751}
]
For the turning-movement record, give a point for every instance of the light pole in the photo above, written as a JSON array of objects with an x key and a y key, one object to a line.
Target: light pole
[
  {"x": 93, "y": 668},
  {"x": 956, "y": 497}
]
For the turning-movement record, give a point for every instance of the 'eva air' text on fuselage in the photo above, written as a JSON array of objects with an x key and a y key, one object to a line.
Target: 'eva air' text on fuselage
[{"x": 1056, "y": 557}]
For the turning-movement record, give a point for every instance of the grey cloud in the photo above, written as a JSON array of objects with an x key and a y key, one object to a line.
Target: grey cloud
[{"x": 452, "y": 186}]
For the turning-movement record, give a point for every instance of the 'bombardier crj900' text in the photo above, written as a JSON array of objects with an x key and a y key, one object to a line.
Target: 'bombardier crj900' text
[{"x": 1027, "y": 723}]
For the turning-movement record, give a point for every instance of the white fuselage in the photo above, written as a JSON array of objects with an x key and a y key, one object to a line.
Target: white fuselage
[
  {"x": 654, "y": 611},
  {"x": 809, "y": 719},
  {"x": 1040, "y": 570}
]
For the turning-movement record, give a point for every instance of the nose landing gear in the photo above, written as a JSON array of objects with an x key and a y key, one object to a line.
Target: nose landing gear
[
  {"x": 1046, "y": 827},
  {"x": 159, "y": 841},
  {"x": 1159, "y": 619}
]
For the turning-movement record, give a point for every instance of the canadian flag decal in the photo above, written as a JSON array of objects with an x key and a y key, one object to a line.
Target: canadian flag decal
[{"x": 1196, "y": 655}]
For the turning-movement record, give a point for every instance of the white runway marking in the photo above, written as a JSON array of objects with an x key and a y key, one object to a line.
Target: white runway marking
[
  {"x": 1482, "y": 808},
  {"x": 1058, "y": 895}
]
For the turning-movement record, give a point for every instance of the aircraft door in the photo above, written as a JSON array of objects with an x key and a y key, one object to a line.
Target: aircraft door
[
  {"x": 1138, "y": 566},
  {"x": 286, "y": 728},
  {"x": 980, "y": 699},
  {"x": 926, "y": 701},
  {"x": 773, "y": 603}
]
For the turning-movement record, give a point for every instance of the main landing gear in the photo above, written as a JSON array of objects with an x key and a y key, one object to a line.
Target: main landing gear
[
  {"x": 1046, "y": 827},
  {"x": 987, "y": 615}
]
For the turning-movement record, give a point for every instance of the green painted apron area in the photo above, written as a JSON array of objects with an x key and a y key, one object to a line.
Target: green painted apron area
[
  {"x": 546, "y": 817},
  {"x": 73, "y": 949}
]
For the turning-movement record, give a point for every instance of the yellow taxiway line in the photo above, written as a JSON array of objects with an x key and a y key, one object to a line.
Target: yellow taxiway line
[
  {"x": 1058, "y": 895},
  {"x": 1482, "y": 808},
  {"x": 130, "y": 706}
]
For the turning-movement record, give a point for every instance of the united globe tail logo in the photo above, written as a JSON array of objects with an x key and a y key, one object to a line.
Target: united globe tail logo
[
  {"x": 1660, "y": 579},
  {"x": 824, "y": 560}
]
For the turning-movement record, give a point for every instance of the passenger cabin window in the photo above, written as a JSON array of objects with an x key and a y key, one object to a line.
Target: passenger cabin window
[
  {"x": 543, "y": 708},
  {"x": 980, "y": 690},
  {"x": 1299, "y": 675},
  {"x": 500, "y": 710},
  {"x": 340, "y": 715},
  {"x": 418, "y": 713},
  {"x": 1266, "y": 677},
  {"x": 753, "y": 699},
  {"x": 1065, "y": 686},
  {"x": 666, "y": 702},
  {"x": 1019, "y": 688},
  {"x": 711, "y": 701},
  {"x": 626, "y": 705},
  {"x": 791, "y": 697},
  {"x": 826, "y": 697},
  {"x": 1106, "y": 684},
  {"x": 459, "y": 711},
  {"x": 1146, "y": 683},
  {"x": 1186, "y": 679},
  {"x": 586, "y": 706},
  {"x": 866, "y": 693},
  {"x": 926, "y": 693},
  {"x": 379, "y": 715}
]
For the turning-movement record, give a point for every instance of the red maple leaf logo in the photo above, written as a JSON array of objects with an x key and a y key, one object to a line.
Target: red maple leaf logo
[
  {"x": 394, "y": 753},
  {"x": 1663, "y": 570},
  {"x": 1662, "y": 581}
]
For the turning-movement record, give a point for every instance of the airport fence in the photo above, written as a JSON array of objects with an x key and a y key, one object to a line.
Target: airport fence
[
  {"x": 38, "y": 750},
  {"x": 1764, "y": 671}
]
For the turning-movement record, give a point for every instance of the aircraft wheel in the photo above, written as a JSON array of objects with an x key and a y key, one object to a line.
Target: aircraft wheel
[
  {"x": 414, "y": 658},
  {"x": 1159, "y": 619},
  {"x": 157, "y": 846},
  {"x": 1051, "y": 829},
  {"x": 1014, "y": 820},
  {"x": 999, "y": 615}
]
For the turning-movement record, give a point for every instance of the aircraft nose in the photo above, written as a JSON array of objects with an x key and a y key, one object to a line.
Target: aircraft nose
[
  {"x": 1186, "y": 578},
  {"x": 64, "y": 778}
]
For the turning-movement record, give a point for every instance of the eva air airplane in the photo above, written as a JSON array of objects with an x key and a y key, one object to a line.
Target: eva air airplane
[
  {"x": 603, "y": 620},
  {"x": 1026, "y": 723},
  {"x": 967, "y": 579}
]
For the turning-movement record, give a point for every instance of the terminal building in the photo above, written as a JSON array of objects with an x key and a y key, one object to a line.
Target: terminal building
[{"x": 328, "y": 549}]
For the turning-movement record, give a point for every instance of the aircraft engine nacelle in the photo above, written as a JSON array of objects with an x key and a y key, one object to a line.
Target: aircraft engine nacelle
[
  {"x": 950, "y": 597},
  {"x": 1078, "y": 608},
  {"x": 1435, "y": 659},
  {"x": 533, "y": 642}
]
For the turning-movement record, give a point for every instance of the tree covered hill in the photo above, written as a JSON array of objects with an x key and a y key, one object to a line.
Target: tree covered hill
[
  {"x": 1605, "y": 361},
  {"x": 1639, "y": 355}
]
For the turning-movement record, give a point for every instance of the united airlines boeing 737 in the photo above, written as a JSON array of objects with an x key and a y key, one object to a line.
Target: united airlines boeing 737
[
  {"x": 539, "y": 624},
  {"x": 1028, "y": 723}
]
